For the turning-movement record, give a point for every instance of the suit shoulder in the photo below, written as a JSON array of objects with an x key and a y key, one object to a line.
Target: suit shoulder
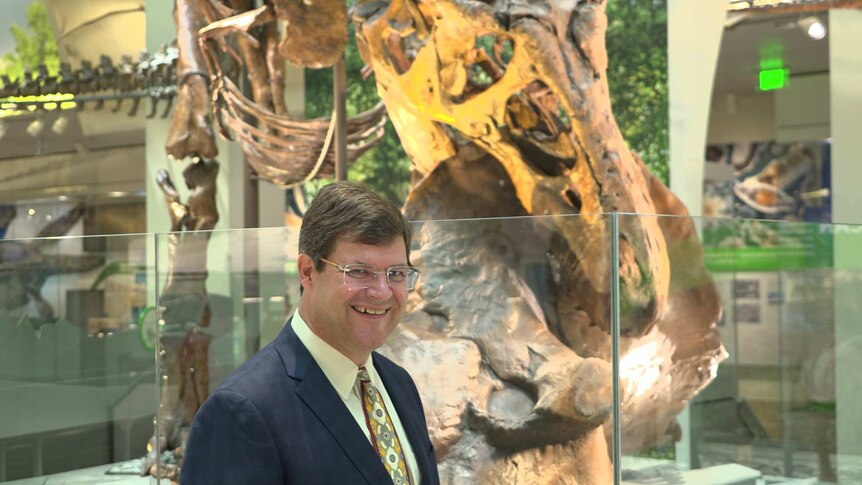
[{"x": 254, "y": 377}]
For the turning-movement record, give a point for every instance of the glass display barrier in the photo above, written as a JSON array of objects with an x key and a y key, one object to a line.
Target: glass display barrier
[
  {"x": 222, "y": 296},
  {"x": 783, "y": 407},
  {"x": 736, "y": 358},
  {"x": 78, "y": 387},
  {"x": 483, "y": 337}
]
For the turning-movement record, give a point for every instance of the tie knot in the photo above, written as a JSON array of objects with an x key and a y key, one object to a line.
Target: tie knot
[{"x": 363, "y": 375}]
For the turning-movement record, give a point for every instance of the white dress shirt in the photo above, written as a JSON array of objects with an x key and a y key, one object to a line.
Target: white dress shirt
[{"x": 341, "y": 373}]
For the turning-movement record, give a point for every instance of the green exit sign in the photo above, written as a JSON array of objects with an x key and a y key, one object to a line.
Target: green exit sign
[{"x": 772, "y": 79}]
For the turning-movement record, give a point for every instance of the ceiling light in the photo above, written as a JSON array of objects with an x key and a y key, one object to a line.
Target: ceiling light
[
  {"x": 36, "y": 127},
  {"x": 813, "y": 26},
  {"x": 60, "y": 125}
]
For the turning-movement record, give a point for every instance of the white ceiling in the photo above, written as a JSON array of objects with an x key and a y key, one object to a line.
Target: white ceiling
[
  {"x": 746, "y": 43},
  {"x": 87, "y": 29}
]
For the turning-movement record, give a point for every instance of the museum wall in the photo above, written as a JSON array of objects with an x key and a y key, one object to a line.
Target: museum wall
[
  {"x": 846, "y": 105},
  {"x": 735, "y": 118},
  {"x": 694, "y": 38}
]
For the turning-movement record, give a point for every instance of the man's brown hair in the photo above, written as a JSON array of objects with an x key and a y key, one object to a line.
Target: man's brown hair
[{"x": 351, "y": 211}]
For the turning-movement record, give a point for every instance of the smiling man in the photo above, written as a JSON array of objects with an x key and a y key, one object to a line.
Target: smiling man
[{"x": 318, "y": 405}]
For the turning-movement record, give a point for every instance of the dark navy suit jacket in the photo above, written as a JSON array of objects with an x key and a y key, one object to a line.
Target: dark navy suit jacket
[{"x": 278, "y": 420}]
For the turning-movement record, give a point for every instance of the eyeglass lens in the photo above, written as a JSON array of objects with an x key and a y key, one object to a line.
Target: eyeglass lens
[{"x": 362, "y": 276}]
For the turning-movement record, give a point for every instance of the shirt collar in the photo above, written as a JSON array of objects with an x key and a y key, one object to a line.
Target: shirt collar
[{"x": 340, "y": 370}]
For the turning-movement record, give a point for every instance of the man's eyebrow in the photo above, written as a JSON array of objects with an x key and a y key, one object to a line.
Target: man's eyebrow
[{"x": 378, "y": 267}]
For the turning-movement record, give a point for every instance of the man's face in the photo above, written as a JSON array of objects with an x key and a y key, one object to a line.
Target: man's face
[{"x": 353, "y": 321}]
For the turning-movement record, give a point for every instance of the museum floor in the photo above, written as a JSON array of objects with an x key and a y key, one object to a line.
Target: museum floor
[{"x": 718, "y": 461}]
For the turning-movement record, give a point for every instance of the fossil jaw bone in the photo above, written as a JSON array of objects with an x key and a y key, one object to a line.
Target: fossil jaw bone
[{"x": 422, "y": 64}]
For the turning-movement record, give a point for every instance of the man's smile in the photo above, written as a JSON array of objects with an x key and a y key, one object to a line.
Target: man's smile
[{"x": 369, "y": 311}]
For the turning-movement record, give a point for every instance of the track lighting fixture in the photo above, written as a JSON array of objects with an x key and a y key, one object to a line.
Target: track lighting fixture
[{"x": 813, "y": 27}]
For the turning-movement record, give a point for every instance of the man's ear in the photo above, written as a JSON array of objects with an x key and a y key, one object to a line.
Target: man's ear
[{"x": 305, "y": 266}]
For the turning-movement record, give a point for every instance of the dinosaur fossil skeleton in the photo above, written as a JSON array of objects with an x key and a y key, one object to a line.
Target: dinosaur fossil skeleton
[
  {"x": 184, "y": 310},
  {"x": 503, "y": 106},
  {"x": 279, "y": 148},
  {"x": 151, "y": 76}
]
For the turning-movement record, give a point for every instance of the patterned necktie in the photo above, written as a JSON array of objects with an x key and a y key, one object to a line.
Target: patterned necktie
[{"x": 382, "y": 431}]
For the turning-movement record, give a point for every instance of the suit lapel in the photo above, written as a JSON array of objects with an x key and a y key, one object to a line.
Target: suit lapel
[
  {"x": 315, "y": 390},
  {"x": 407, "y": 412}
]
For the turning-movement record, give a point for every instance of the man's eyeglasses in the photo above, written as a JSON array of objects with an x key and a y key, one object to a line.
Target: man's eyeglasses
[{"x": 360, "y": 276}]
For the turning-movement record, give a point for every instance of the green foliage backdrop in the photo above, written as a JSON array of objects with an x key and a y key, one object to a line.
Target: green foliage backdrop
[
  {"x": 385, "y": 168},
  {"x": 637, "y": 75},
  {"x": 34, "y": 45}
]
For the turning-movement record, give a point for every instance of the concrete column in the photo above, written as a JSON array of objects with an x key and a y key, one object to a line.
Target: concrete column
[
  {"x": 694, "y": 38},
  {"x": 845, "y": 36}
]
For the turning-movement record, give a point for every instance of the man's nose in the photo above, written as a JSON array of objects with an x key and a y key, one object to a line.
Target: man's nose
[{"x": 380, "y": 288}]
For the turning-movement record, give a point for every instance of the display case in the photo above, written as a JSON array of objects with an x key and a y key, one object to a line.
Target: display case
[
  {"x": 78, "y": 382},
  {"x": 781, "y": 408},
  {"x": 694, "y": 350}
]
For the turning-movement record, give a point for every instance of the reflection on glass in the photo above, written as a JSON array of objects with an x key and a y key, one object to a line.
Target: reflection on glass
[
  {"x": 774, "y": 410},
  {"x": 76, "y": 367},
  {"x": 510, "y": 370},
  {"x": 501, "y": 369}
]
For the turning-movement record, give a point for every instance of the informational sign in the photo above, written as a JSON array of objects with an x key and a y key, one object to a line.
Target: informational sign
[
  {"x": 770, "y": 209},
  {"x": 753, "y": 245}
]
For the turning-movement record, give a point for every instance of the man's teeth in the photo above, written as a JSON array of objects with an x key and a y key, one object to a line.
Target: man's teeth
[{"x": 362, "y": 309}]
